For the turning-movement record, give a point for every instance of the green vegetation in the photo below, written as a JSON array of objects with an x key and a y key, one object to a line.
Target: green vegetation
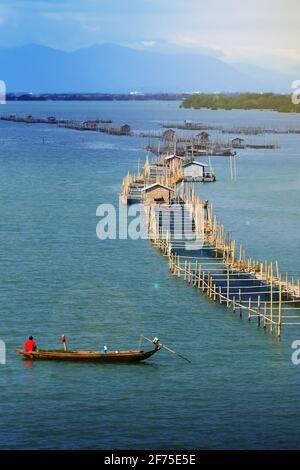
[{"x": 281, "y": 103}]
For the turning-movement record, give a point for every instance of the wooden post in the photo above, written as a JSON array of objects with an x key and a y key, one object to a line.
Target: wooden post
[
  {"x": 189, "y": 273},
  {"x": 178, "y": 270},
  {"x": 279, "y": 310},
  {"x": 220, "y": 294},
  {"x": 199, "y": 277},
  {"x": 240, "y": 302},
  {"x": 185, "y": 266},
  {"x": 277, "y": 270},
  {"x": 249, "y": 309},
  {"x": 233, "y": 303},
  {"x": 258, "y": 310},
  {"x": 203, "y": 282},
  {"x": 208, "y": 283},
  {"x": 195, "y": 277},
  {"x": 265, "y": 315},
  {"x": 175, "y": 264},
  {"x": 228, "y": 285},
  {"x": 271, "y": 298},
  {"x": 211, "y": 287},
  {"x": 233, "y": 251}
]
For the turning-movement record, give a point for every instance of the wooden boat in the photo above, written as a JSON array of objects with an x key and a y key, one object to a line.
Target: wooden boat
[{"x": 90, "y": 356}]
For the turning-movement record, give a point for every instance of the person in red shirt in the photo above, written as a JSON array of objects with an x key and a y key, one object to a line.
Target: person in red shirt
[{"x": 30, "y": 345}]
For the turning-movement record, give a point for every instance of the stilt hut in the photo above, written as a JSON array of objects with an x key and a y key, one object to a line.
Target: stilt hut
[{"x": 158, "y": 193}]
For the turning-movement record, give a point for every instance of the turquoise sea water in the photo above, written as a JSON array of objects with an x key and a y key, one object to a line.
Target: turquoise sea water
[{"x": 241, "y": 390}]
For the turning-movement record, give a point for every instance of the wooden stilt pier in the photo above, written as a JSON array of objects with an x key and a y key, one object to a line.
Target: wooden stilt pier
[{"x": 205, "y": 257}]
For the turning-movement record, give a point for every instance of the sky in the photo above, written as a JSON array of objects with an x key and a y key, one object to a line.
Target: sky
[{"x": 259, "y": 32}]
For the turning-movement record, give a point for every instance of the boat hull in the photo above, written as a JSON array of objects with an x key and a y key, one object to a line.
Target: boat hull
[{"x": 89, "y": 356}]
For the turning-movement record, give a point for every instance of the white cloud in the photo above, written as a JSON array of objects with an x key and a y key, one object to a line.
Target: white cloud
[{"x": 148, "y": 43}]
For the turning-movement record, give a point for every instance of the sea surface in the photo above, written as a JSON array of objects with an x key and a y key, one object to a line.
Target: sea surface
[{"x": 241, "y": 389}]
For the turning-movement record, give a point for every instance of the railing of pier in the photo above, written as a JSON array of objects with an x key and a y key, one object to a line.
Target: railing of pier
[
  {"x": 244, "y": 285},
  {"x": 217, "y": 267}
]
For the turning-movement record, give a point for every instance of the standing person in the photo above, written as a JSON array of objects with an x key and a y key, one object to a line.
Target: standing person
[{"x": 30, "y": 345}]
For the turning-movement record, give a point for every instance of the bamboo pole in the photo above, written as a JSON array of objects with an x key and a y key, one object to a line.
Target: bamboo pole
[
  {"x": 199, "y": 277},
  {"x": 279, "y": 311},
  {"x": 265, "y": 315},
  {"x": 240, "y": 302},
  {"x": 271, "y": 298},
  {"x": 277, "y": 270},
  {"x": 228, "y": 285}
]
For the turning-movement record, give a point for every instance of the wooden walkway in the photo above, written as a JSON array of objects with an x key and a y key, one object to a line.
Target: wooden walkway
[{"x": 207, "y": 258}]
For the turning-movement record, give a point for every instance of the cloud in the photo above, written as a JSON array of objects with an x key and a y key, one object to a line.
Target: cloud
[
  {"x": 260, "y": 31},
  {"x": 148, "y": 43}
]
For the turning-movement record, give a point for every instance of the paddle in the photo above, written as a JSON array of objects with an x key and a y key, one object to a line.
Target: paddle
[{"x": 168, "y": 349}]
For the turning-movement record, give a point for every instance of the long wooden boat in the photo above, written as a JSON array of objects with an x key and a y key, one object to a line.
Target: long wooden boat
[{"x": 90, "y": 356}]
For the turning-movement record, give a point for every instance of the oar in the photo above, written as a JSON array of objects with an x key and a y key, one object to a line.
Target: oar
[{"x": 170, "y": 350}]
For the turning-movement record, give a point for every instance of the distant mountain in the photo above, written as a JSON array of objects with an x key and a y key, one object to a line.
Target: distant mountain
[
  {"x": 272, "y": 81},
  {"x": 109, "y": 68}
]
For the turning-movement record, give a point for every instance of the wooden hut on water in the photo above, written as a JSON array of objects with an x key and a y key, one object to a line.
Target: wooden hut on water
[
  {"x": 173, "y": 161},
  {"x": 125, "y": 129},
  {"x": 169, "y": 135},
  {"x": 51, "y": 120},
  {"x": 197, "y": 172},
  {"x": 194, "y": 169},
  {"x": 203, "y": 136},
  {"x": 158, "y": 193},
  {"x": 90, "y": 125},
  {"x": 238, "y": 143}
]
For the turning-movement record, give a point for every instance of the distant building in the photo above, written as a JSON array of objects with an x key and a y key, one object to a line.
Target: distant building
[
  {"x": 125, "y": 129},
  {"x": 203, "y": 136},
  {"x": 169, "y": 135},
  {"x": 174, "y": 161},
  {"x": 238, "y": 143},
  {"x": 188, "y": 123},
  {"x": 90, "y": 125},
  {"x": 157, "y": 193},
  {"x": 52, "y": 120}
]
